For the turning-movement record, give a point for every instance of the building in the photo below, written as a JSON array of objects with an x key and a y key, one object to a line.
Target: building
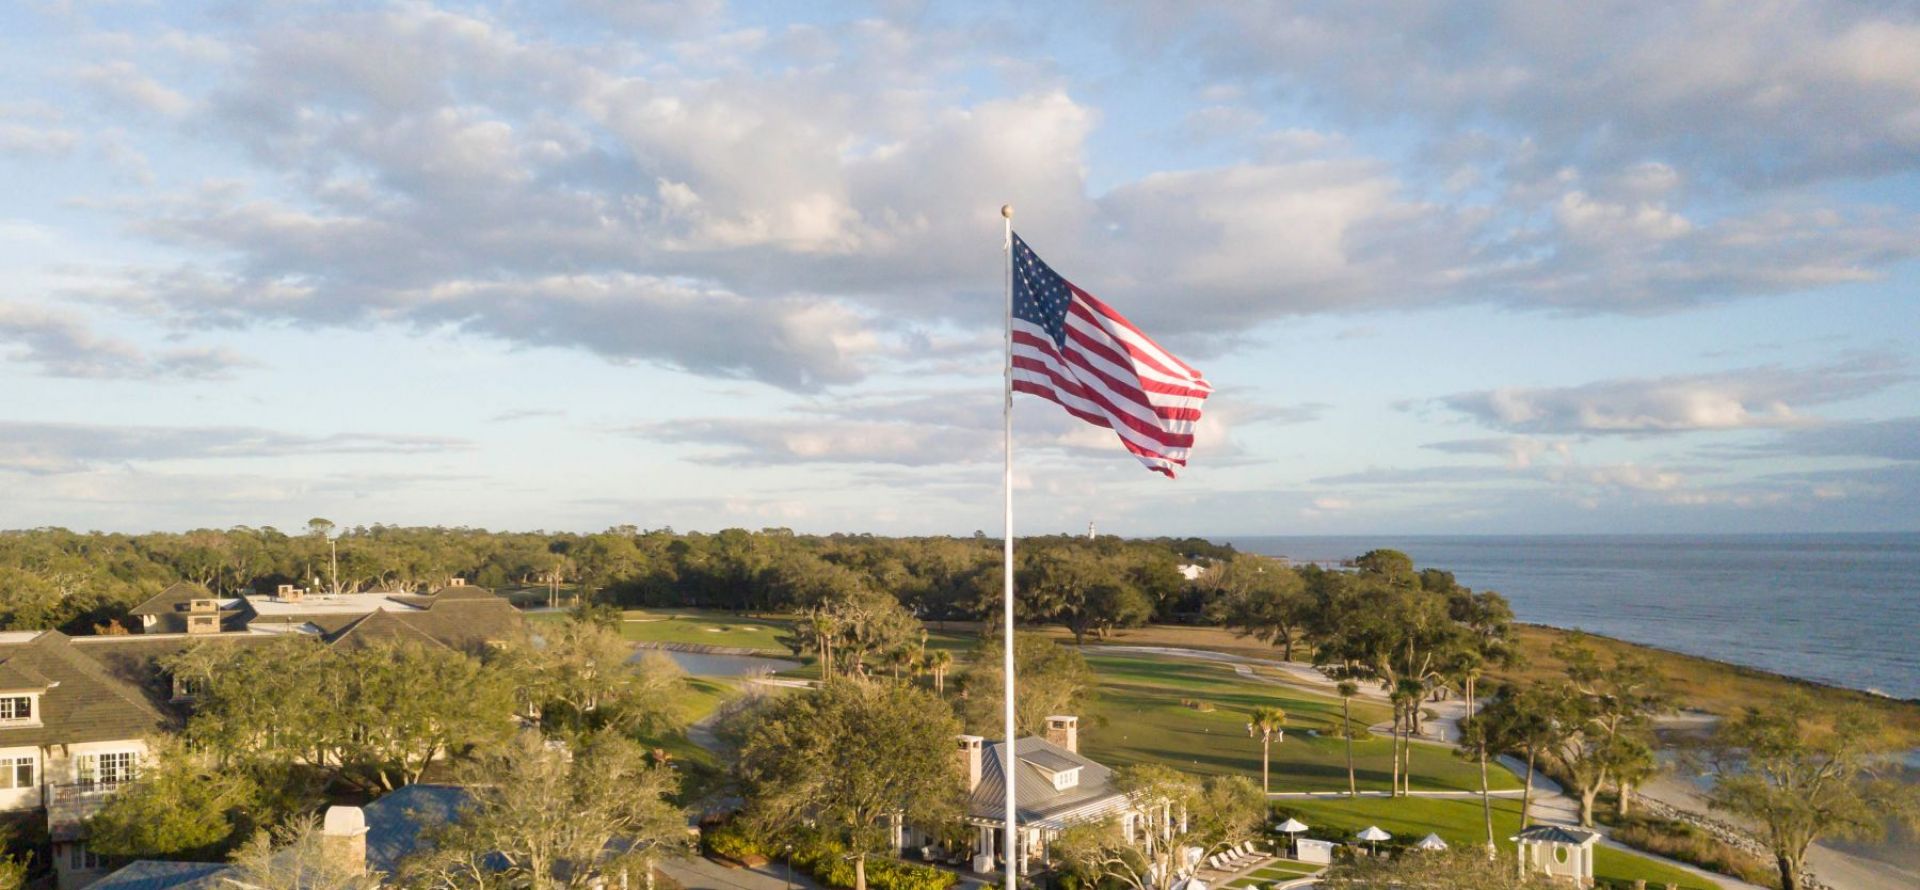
[
  {"x": 1558, "y": 852},
  {"x": 371, "y": 839},
  {"x": 457, "y": 614},
  {"x": 75, "y": 712},
  {"x": 1055, "y": 787}
]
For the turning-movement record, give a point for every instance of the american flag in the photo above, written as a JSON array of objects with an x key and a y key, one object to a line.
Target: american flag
[{"x": 1073, "y": 349}]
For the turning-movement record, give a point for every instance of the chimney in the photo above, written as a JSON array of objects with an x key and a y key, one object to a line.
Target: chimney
[
  {"x": 970, "y": 757},
  {"x": 288, "y": 593},
  {"x": 203, "y": 616},
  {"x": 1064, "y": 731},
  {"x": 343, "y": 839},
  {"x": 456, "y": 582}
]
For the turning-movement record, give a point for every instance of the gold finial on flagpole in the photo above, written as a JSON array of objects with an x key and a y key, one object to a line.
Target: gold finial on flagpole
[{"x": 1006, "y": 210}]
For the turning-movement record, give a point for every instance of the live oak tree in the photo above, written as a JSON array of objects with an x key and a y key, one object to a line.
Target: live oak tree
[
  {"x": 380, "y": 715},
  {"x": 1172, "y": 812},
  {"x": 183, "y": 807},
  {"x": 1049, "y": 678},
  {"x": 555, "y": 817},
  {"x": 1604, "y": 720},
  {"x": 853, "y": 758},
  {"x": 1261, "y": 598},
  {"x": 582, "y": 678},
  {"x": 1803, "y": 773}
]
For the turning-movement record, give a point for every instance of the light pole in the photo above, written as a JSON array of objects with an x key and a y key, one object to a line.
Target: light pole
[{"x": 789, "y": 852}]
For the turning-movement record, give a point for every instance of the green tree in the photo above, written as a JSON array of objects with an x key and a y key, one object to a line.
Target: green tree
[
  {"x": 1266, "y": 724},
  {"x": 1348, "y": 689},
  {"x": 582, "y": 678},
  {"x": 545, "y": 816},
  {"x": 1803, "y": 773},
  {"x": 1522, "y": 719},
  {"x": 1605, "y": 712},
  {"x": 183, "y": 807},
  {"x": 818, "y": 756},
  {"x": 1171, "y": 813},
  {"x": 1262, "y": 598},
  {"x": 1049, "y": 678}
]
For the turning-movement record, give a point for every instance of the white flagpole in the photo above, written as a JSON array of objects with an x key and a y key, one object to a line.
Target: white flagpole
[{"x": 1006, "y": 641}]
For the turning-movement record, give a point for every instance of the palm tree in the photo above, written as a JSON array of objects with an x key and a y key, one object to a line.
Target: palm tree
[
  {"x": 1348, "y": 689},
  {"x": 1267, "y": 725},
  {"x": 1478, "y": 733},
  {"x": 938, "y": 661}
]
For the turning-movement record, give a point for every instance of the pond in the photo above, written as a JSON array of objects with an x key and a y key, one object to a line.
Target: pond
[{"x": 704, "y": 664}]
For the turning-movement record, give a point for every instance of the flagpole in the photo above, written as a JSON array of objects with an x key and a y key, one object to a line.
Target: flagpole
[{"x": 1006, "y": 569}]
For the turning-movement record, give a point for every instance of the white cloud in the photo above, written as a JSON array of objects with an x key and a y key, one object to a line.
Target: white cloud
[{"x": 1767, "y": 396}]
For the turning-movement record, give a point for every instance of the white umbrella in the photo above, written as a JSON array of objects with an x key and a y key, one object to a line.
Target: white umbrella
[
  {"x": 1431, "y": 842},
  {"x": 1290, "y": 828},
  {"x": 1373, "y": 836}
]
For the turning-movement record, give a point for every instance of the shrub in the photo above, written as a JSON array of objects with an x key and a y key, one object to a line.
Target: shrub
[
  {"x": 827, "y": 862},
  {"x": 728, "y": 840},
  {"x": 1694, "y": 845}
]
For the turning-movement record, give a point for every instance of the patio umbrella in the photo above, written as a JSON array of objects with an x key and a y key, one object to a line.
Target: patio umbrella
[
  {"x": 1431, "y": 842},
  {"x": 1292, "y": 828},
  {"x": 1373, "y": 836}
]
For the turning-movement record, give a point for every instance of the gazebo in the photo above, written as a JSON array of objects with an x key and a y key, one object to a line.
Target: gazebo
[{"x": 1558, "y": 852}]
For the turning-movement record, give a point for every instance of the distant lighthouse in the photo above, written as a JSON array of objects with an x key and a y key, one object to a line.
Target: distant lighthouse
[{"x": 1090, "y": 530}]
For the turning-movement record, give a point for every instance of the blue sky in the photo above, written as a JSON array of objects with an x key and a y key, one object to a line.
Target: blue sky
[{"x": 1485, "y": 267}]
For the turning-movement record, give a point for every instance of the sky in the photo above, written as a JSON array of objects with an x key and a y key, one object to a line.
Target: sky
[{"x": 1464, "y": 268}]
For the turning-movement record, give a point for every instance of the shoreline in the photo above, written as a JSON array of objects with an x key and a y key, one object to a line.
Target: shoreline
[{"x": 1757, "y": 673}]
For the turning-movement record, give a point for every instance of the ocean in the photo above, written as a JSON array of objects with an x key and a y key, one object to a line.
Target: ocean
[{"x": 1842, "y": 609}]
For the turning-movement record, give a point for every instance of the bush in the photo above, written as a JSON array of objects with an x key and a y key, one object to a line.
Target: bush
[
  {"x": 729, "y": 841},
  {"x": 827, "y": 862},
  {"x": 1694, "y": 845}
]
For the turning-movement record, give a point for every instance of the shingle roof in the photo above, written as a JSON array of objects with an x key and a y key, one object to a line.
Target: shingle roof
[
  {"x": 380, "y": 627},
  {"x": 1038, "y": 800},
  {"x": 154, "y": 874},
  {"x": 171, "y": 599},
  {"x": 83, "y": 701},
  {"x": 1556, "y": 834}
]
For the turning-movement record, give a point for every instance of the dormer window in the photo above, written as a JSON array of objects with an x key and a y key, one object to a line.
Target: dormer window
[
  {"x": 17, "y": 709},
  {"x": 189, "y": 688},
  {"x": 1066, "y": 779}
]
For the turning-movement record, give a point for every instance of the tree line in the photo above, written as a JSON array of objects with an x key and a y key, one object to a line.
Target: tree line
[{"x": 75, "y": 581}]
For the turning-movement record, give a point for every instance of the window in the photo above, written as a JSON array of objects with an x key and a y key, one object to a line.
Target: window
[
  {"x": 16, "y": 708},
  {"x": 108, "y": 769},
  {"x": 79, "y": 858},
  {"x": 17, "y": 772}
]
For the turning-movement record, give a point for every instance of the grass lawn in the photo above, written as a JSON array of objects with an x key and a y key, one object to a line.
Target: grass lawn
[
  {"x": 1460, "y": 823},
  {"x": 1137, "y": 716}
]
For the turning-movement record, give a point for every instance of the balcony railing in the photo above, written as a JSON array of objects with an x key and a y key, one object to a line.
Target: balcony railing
[{"x": 69, "y": 805}]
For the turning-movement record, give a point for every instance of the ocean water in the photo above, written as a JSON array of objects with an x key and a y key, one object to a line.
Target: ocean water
[{"x": 1840, "y": 608}]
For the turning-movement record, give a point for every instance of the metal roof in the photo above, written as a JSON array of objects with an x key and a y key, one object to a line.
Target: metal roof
[{"x": 1556, "y": 834}]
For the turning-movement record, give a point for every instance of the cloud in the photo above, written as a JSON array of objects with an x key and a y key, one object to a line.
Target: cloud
[
  {"x": 1895, "y": 439},
  {"x": 1759, "y": 397},
  {"x": 1835, "y": 88},
  {"x": 789, "y": 204},
  {"x": 1520, "y": 451},
  {"x": 62, "y": 345},
  {"x": 122, "y": 83},
  {"x": 49, "y": 448}
]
